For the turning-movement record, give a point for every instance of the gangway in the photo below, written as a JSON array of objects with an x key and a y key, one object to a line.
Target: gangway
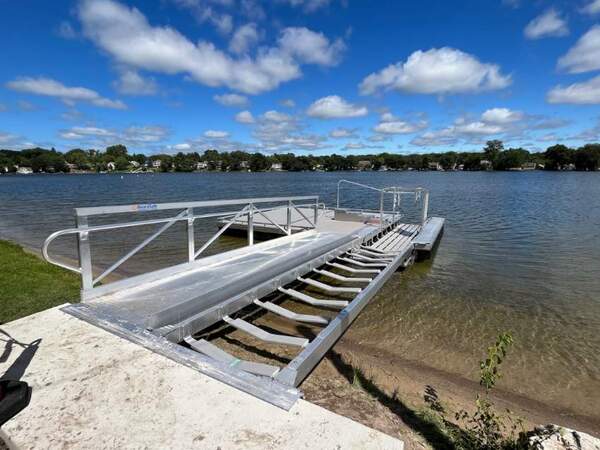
[{"x": 332, "y": 258}]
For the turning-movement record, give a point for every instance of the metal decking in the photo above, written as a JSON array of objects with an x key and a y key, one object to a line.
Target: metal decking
[{"x": 344, "y": 255}]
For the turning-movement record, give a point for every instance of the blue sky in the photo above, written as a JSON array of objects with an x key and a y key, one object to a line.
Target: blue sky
[{"x": 302, "y": 76}]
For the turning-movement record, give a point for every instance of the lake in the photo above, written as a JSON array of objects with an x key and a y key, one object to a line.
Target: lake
[{"x": 520, "y": 253}]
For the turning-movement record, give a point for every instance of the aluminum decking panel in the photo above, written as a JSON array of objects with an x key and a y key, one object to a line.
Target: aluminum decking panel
[{"x": 187, "y": 293}]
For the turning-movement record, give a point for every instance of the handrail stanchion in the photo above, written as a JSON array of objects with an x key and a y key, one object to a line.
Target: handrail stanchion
[
  {"x": 425, "y": 206},
  {"x": 85, "y": 256},
  {"x": 316, "y": 211},
  {"x": 251, "y": 225},
  {"x": 381, "y": 210},
  {"x": 289, "y": 218},
  {"x": 190, "y": 235}
]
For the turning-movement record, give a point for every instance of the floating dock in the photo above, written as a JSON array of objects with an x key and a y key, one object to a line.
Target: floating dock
[{"x": 334, "y": 259}]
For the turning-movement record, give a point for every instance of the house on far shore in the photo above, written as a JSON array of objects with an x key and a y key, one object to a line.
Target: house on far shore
[
  {"x": 110, "y": 166},
  {"x": 383, "y": 168},
  {"x": 363, "y": 165},
  {"x": 435, "y": 166},
  {"x": 276, "y": 167},
  {"x": 485, "y": 164},
  {"x": 529, "y": 166},
  {"x": 156, "y": 164},
  {"x": 24, "y": 170},
  {"x": 134, "y": 164},
  {"x": 201, "y": 165}
]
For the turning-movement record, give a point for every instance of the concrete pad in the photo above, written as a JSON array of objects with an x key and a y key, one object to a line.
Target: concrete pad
[{"x": 92, "y": 389}]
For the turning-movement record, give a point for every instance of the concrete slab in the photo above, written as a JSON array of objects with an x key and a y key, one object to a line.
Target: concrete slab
[{"x": 92, "y": 389}]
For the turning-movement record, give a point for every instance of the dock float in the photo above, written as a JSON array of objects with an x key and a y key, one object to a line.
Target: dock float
[{"x": 335, "y": 258}]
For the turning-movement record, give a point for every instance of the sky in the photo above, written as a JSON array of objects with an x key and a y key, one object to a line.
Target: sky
[{"x": 303, "y": 76}]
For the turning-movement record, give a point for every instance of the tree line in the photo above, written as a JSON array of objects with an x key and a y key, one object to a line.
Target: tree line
[{"x": 116, "y": 157}]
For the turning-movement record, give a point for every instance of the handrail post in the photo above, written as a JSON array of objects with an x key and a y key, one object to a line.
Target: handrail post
[
  {"x": 381, "y": 210},
  {"x": 425, "y": 206},
  {"x": 289, "y": 218},
  {"x": 316, "y": 211},
  {"x": 190, "y": 235},
  {"x": 85, "y": 255},
  {"x": 251, "y": 225}
]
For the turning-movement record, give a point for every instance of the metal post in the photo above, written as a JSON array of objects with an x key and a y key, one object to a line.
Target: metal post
[
  {"x": 425, "y": 207},
  {"x": 381, "y": 210},
  {"x": 316, "y": 212},
  {"x": 85, "y": 255},
  {"x": 190, "y": 235},
  {"x": 251, "y": 225},
  {"x": 289, "y": 218}
]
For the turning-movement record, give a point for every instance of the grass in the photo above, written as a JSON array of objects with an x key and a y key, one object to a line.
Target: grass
[{"x": 29, "y": 285}]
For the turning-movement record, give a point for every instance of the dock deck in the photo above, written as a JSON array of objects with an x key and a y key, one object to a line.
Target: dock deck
[{"x": 334, "y": 259}]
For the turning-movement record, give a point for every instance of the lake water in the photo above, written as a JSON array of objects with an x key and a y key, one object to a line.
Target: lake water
[{"x": 520, "y": 253}]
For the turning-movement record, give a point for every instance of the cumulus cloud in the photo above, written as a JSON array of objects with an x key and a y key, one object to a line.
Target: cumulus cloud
[
  {"x": 70, "y": 95},
  {"x": 437, "y": 71},
  {"x": 308, "y": 5},
  {"x": 390, "y": 124},
  {"x": 203, "y": 11},
  {"x": 342, "y": 133},
  {"x": 244, "y": 38},
  {"x": 216, "y": 134},
  {"x": 584, "y": 56},
  {"x": 358, "y": 146},
  {"x": 231, "y": 100},
  {"x": 592, "y": 8},
  {"x": 132, "y": 83},
  {"x": 584, "y": 93},
  {"x": 547, "y": 24},
  {"x": 311, "y": 47},
  {"x": 126, "y": 35},
  {"x": 501, "y": 116},
  {"x": 134, "y": 136},
  {"x": 276, "y": 116},
  {"x": 287, "y": 102},
  {"x": 335, "y": 107},
  {"x": 244, "y": 117}
]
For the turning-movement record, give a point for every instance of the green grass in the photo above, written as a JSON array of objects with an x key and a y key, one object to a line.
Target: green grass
[{"x": 29, "y": 285}]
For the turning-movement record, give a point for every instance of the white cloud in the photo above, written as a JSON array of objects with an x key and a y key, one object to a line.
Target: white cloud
[
  {"x": 547, "y": 24},
  {"x": 592, "y": 8},
  {"x": 276, "y": 116},
  {"x": 69, "y": 95},
  {"x": 342, "y": 133},
  {"x": 584, "y": 93},
  {"x": 216, "y": 134},
  {"x": 501, "y": 116},
  {"x": 182, "y": 147},
  {"x": 143, "y": 137},
  {"x": 244, "y": 38},
  {"x": 584, "y": 56},
  {"x": 358, "y": 146},
  {"x": 311, "y": 47},
  {"x": 205, "y": 12},
  {"x": 132, "y": 83},
  {"x": 308, "y": 5},
  {"x": 244, "y": 117},
  {"x": 334, "y": 107},
  {"x": 288, "y": 103},
  {"x": 231, "y": 100},
  {"x": 125, "y": 34},
  {"x": 476, "y": 128},
  {"x": 437, "y": 71},
  {"x": 398, "y": 127}
]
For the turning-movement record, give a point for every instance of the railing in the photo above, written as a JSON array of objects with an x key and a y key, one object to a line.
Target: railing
[
  {"x": 420, "y": 195},
  {"x": 248, "y": 212}
]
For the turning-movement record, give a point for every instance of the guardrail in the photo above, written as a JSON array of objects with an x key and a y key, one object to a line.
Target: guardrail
[
  {"x": 83, "y": 230},
  {"x": 420, "y": 195}
]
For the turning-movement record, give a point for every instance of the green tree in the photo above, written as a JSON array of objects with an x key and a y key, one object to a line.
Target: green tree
[
  {"x": 557, "y": 157},
  {"x": 115, "y": 151},
  {"x": 492, "y": 149},
  {"x": 78, "y": 157}
]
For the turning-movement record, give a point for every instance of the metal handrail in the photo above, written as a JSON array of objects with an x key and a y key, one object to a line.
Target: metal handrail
[
  {"x": 397, "y": 191},
  {"x": 83, "y": 229}
]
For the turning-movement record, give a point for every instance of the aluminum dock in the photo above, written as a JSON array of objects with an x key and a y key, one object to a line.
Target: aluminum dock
[{"x": 333, "y": 259}]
